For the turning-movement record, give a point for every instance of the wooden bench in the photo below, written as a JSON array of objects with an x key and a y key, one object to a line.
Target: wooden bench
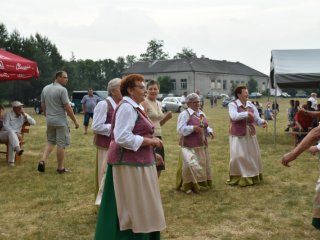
[
  {"x": 295, "y": 135},
  {"x": 25, "y": 129}
]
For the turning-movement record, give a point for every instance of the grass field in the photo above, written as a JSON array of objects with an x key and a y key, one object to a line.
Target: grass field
[{"x": 52, "y": 206}]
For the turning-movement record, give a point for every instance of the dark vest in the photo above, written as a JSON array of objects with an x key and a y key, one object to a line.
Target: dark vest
[
  {"x": 118, "y": 155},
  {"x": 196, "y": 139},
  {"x": 239, "y": 128},
  {"x": 103, "y": 140}
]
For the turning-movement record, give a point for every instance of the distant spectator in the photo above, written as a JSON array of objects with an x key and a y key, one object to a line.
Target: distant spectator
[
  {"x": 275, "y": 108},
  {"x": 89, "y": 102},
  {"x": 303, "y": 122},
  {"x": 259, "y": 108},
  {"x": 268, "y": 113},
  {"x": 201, "y": 99},
  {"x": 291, "y": 113},
  {"x": 313, "y": 100}
]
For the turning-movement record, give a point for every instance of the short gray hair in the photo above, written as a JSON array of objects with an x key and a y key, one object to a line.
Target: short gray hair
[
  {"x": 192, "y": 97},
  {"x": 112, "y": 84}
]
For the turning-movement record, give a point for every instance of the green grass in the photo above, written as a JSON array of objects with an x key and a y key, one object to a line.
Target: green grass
[{"x": 52, "y": 206}]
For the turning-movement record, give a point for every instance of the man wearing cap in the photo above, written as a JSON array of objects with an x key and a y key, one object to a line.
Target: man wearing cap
[
  {"x": 55, "y": 104},
  {"x": 12, "y": 124}
]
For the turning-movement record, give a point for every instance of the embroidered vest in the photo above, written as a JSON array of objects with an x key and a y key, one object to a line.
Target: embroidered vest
[
  {"x": 145, "y": 155},
  {"x": 196, "y": 139},
  {"x": 239, "y": 128},
  {"x": 103, "y": 140}
]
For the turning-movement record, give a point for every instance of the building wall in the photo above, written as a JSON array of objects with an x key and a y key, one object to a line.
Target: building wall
[{"x": 206, "y": 82}]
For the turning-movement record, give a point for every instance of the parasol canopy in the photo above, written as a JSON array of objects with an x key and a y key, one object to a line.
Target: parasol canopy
[{"x": 14, "y": 67}]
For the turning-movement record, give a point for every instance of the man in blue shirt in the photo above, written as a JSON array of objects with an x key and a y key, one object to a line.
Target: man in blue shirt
[{"x": 89, "y": 102}]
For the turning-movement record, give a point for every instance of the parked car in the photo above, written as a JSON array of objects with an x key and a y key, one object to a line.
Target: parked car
[
  {"x": 301, "y": 94},
  {"x": 285, "y": 95},
  {"x": 78, "y": 95},
  {"x": 161, "y": 96},
  {"x": 255, "y": 95},
  {"x": 172, "y": 104},
  {"x": 223, "y": 95},
  {"x": 211, "y": 94},
  {"x": 226, "y": 101}
]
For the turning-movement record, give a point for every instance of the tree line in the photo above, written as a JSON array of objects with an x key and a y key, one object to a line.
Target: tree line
[{"x": 84, "y": 73}]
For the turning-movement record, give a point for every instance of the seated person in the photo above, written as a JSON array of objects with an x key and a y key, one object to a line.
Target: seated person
[
  {"x": 303, "y": 122},
  {"x": 12, "y": 124},
  {"x": 268, "y": 114}
]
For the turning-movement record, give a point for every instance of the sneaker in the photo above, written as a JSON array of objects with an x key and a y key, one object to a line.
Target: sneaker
[
  {"x": 286, "y": 130},
  {"x": 63, "y": 170},
  {"x": 41, "y": 166},
  {"x": 11, "y": 164}
]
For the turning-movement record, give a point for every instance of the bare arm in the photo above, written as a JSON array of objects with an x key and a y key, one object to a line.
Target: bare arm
[
  {"x": 43, "y": 107},
  {"x": 307, "y": 142},
  {"x": 166, "y": 118},
  {"x": 70, "y": 113}
]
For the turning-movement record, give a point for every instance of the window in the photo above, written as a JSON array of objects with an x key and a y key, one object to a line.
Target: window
[
  {"x": 219, "y": 84},
  {"x": 263, "y": 86},
  {"x": 213, "y": 84},
  {"x": 224, "y": 85},
  {"x": 173, "y": 84},
  {"x": 183, "y": 83}
]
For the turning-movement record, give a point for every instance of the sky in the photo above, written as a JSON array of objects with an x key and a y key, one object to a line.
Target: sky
[{"x": 232, "y": 30}]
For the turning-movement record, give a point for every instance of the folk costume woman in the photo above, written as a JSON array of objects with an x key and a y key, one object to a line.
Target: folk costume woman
[
  {"x": 153, "y": 109},
  {"x": 194, "y": 167},
  {"x": 245, "y": 160},
  {"x": 101, "y": 126},
  {"x": 131, "y": 206}
]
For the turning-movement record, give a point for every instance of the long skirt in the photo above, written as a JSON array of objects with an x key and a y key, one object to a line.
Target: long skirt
[
  {"x": 194, "y": 170},
  {"x": 316, "y": 207},
  {"x": 101, "y": 160},
  {"x": 245, "y": 160},
  {"x": 131, "y": 206}
]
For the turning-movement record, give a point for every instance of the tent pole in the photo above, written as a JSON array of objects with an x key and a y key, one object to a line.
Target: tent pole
[{"x": 275, "y": 117}]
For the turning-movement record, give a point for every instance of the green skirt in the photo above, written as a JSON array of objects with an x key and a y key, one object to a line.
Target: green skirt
[{"x": 108, "y": 223}]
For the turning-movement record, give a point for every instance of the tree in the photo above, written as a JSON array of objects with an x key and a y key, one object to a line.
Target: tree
[
  {"x": 252, "y": 85},
  {"x": 130, "y": 60},
  {"x": 165, "y": 84},
  {"x": 4, "y": 36},
  {"x": 154, "y": 51},
  {"x": 233, "y": 88},
  {"x": 186, "y": 53}
]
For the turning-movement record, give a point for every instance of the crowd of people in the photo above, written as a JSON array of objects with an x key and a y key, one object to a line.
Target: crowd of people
[{"x": 130, "y": 154}]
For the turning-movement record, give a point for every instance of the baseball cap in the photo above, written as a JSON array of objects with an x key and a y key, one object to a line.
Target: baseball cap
[{"x": 16, "y": 104}]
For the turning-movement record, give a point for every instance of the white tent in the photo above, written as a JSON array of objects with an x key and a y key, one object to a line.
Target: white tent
[
  {"x": 298, "y": 68},
  {"x": 295, "y": 68}
]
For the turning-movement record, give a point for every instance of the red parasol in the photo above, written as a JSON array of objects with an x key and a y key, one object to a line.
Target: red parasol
[{"x": 14, "y": 67}]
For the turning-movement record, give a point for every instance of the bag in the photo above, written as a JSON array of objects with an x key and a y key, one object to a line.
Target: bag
[{"x": 190, "y": 159}]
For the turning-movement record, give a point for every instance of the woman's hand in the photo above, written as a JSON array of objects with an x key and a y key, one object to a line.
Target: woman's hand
[
  {"x": 265, "y": 124},
  {"x": 197, "y": 129}
]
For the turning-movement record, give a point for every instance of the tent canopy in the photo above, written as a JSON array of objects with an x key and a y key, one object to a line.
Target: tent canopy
[
  {"x": 295, "y": 68},
  {"x": 14, "y": 67}
]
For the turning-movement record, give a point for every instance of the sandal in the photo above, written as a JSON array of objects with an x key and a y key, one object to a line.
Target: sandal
[
  {"x": 41, "y": 166},
  {"x": 63, "y": 170}
]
